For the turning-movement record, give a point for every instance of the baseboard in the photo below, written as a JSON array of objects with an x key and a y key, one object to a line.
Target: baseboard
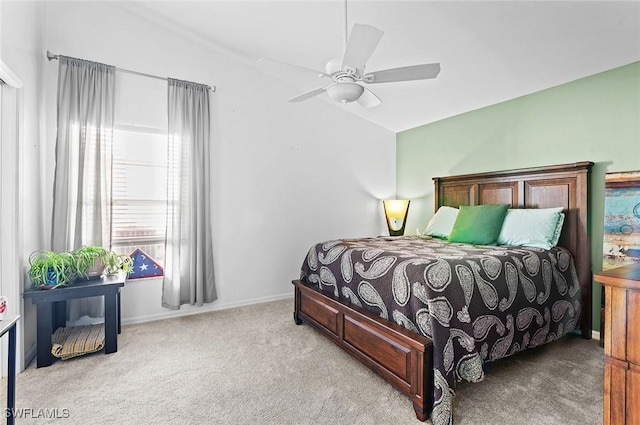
[
  {"x": 595, "y": 335},
  {"x": 188, "y": 310},
  {"x": 30, "y": 355}
]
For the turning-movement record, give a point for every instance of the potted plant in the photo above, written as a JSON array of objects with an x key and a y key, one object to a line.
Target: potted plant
[
  {"x": 92, "y": 261},
  {"x": 114, "y": 263},
  {"x": 48, "y": 269},
  {"x": 89, "y": 261}
]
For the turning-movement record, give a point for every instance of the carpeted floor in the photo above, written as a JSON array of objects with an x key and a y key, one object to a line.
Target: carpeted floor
[{"x": 253, "y": 365}]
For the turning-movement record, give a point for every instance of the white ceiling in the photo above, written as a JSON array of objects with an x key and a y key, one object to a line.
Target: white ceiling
[{"x": 490, "y": 51}]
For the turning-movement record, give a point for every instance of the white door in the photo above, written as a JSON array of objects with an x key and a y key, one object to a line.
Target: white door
[{"x": 11, "y": 279}]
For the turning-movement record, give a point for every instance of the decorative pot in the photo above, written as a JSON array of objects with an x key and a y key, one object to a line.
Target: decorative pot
[{"x": 96, "y": 270}]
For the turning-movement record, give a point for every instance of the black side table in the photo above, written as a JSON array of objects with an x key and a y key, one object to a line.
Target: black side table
[
  {"x": 8, "y": 324},
  {"x": 52, "y": 311}
]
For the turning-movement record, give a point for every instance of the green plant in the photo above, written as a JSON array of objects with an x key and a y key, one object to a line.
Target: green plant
[
  {"x": 89, "y": 261},
  {"x": 113, "y": 263},
  {"x": 51, "y": 269},
  {"x": 92, "y": 260}
]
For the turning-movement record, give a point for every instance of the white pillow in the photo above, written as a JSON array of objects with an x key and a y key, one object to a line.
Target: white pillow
[
  {"x": 442, "y": 222},
  {"x": 537, "y": 227}
]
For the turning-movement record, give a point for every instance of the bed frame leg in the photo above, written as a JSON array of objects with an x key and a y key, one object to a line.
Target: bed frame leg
[
  {"x": 296, "y": 306},
  {"x": 421, "y": 413}
]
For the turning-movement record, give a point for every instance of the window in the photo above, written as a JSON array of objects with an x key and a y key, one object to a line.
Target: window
[
  {"x": 139, "y": 190},
  {"x": 139, "y": 178}
]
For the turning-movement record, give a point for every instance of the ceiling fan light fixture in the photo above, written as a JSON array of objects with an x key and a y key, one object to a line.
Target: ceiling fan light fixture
[
  {"x": 348, "y": 69},
  {"x": 345, "y": 92}
]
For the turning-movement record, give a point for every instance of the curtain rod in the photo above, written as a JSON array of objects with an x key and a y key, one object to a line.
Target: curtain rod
[{"x": 51, "y": 57}]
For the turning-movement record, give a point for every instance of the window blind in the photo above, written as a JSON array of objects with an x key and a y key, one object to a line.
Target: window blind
[{"x": 139, "y": 190}]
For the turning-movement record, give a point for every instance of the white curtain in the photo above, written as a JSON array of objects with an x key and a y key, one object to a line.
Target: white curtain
[
  {"x": 188, "y": 271},
  {"x": 82, "y": 185}
]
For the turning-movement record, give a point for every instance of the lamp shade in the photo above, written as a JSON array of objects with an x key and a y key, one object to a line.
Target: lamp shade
[
  {"x": 396, "y": 208},
  {"x": 395, "y": 211}
]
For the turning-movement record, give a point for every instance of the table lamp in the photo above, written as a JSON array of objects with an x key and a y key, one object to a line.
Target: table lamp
[{"x": 395, "y": 210}]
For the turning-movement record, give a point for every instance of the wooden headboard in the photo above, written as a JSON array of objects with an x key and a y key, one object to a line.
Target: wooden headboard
[{"x": 565, "y": 185}]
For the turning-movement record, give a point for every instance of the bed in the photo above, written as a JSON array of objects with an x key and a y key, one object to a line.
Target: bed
[{"x": 398, "y": 349}]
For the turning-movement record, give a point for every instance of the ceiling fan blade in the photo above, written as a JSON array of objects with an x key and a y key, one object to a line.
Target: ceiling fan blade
[
  {"x": 308, "y": 95},
  {"x": 405, "y": 73},
  {"x": 362, "y": 42},
  {"x": 288, "y": 69},
  {"x": 368, "y": 99}
]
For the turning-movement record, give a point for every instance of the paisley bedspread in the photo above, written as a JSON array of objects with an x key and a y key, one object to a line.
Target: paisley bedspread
[{"x": 476, "y": 303}]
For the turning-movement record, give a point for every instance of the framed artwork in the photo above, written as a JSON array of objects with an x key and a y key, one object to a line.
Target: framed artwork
[{"x": 621, "y": 219}]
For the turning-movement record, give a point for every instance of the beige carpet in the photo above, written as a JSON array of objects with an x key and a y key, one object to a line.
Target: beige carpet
[{"x": 253, "y": 365}]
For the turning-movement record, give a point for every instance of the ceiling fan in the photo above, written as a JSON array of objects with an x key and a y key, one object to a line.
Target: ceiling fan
[{"x": 347, "y": 73}]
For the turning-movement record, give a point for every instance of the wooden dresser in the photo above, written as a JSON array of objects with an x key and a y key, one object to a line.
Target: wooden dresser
[{"x": 621, "y": 344}]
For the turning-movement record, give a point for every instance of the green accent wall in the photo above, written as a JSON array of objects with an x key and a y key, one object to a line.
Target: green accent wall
[{"x": 592, "y": 119}]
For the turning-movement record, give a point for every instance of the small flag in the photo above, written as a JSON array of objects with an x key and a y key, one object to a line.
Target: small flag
[{"x": 144, "y": 266}]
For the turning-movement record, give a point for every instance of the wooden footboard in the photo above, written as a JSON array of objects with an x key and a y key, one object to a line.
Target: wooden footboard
[{"x": 403, "y": 358}]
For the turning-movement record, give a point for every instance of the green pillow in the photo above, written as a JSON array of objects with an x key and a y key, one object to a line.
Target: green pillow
[{"x": 478, "y": 224}]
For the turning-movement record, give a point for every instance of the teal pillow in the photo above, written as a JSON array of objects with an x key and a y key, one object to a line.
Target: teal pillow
[
  {"x": 537, "y": 227},
  {"x": 478, "y": 224},
  {"x": 556, "y": 234}
]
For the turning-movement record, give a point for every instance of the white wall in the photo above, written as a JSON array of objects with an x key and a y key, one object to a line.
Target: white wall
[{"x": 286, "y": 175}]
